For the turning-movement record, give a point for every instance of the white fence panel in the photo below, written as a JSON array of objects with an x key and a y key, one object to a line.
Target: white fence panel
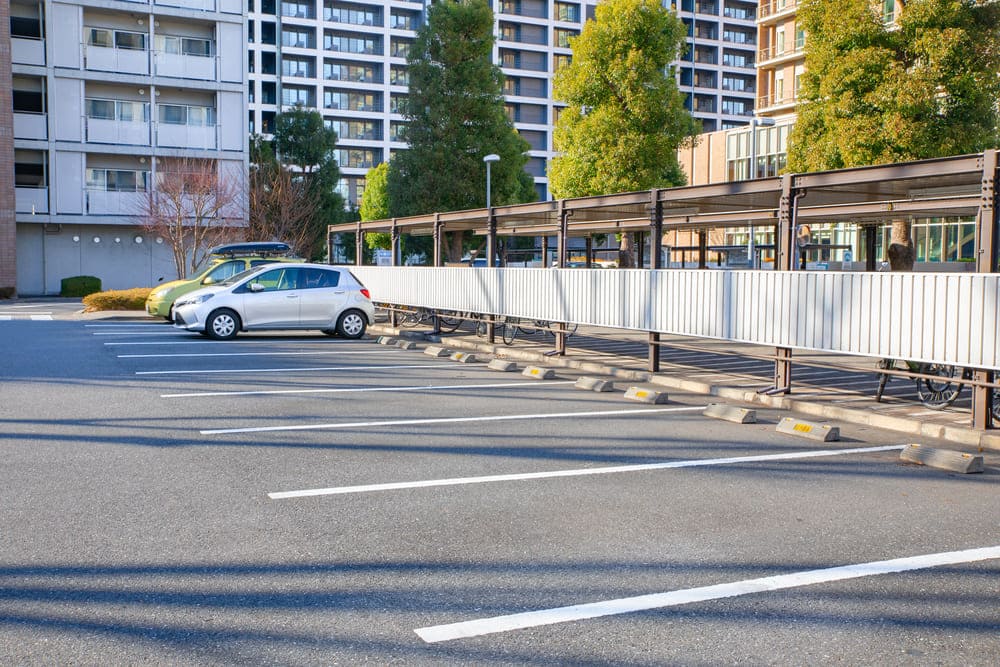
[{"x": 931, "y": 317}]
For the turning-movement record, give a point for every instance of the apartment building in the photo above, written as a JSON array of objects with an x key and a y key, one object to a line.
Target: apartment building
[
  {"x": 348, "y": 60},
  {"x": 102, "y": 94}
]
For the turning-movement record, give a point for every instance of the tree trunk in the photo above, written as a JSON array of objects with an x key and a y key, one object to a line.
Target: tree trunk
[
  {"x": 626, "y": 252},
  {"x": 902, "y": 256},
  {"x": 453, "y": 246}
]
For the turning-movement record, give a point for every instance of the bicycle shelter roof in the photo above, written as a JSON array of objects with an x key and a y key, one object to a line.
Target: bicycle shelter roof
[{"x": 951, "y": 186}]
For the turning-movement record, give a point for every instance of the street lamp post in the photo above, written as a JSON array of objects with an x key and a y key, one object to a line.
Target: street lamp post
[
  {"x": 489, "y": 160},
  {"x": 755, "y": 122}
]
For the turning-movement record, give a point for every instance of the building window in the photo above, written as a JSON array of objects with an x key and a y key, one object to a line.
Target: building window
[
  {"x": 185, "y": 46},
  {"x": 117, "y": 180},
  {"x": 298, "y": 67},
  {"x": 120, "y": 110},
  {"x": 562, "y": 36},
  {"x": 175, "y": 114},
  {"x": 354, "y": 101},
  {"x": 566, "y": 12},
  {"x": 295, "y": 95},
  {"x": 359, "y": 158},
  {"x": 120, "y": 39},
  {"x": 301, "y": 38},
  {"x": 354, "y": 14},
  {"x": 352, "y": 44},
  {"x": 365, "y": 130},
  {"x": 334, "y": 70},
  {"x": 297, "y": 9}
]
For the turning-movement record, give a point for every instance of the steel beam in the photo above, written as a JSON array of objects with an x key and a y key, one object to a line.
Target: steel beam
[{"x": 986, "y": 262}]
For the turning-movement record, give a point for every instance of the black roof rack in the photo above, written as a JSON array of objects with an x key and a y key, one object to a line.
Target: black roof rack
[{"x": 264, "y": 249}]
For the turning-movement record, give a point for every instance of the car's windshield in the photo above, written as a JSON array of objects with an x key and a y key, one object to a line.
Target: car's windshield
[{"x": 232, "y": 280}]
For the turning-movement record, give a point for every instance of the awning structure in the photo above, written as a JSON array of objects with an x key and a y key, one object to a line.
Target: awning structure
[{"x": 868, "y": 195}]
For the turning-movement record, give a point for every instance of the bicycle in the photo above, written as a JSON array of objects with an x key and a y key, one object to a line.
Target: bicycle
[{"x": 936, "y": 392}]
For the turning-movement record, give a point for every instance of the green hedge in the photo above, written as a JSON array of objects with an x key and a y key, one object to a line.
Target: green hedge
[
  {"x": 79, "y": 286},
  {"x": 129, "y": 299}
]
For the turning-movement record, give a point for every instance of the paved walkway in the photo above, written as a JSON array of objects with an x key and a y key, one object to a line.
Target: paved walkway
[{"x": 825, "y": 387}]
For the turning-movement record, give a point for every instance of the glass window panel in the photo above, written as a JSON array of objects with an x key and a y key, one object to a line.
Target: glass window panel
[
  {"x": 166, "y": 44},
  {"x": 197, "y": 47},
  {"x": 130, "y": 40},
  {"x": 100, "y": 37},
  {"x": 97, "y": 179},
  {"x": 103, "y": 109},
  {"x": 173, "y": 114}
]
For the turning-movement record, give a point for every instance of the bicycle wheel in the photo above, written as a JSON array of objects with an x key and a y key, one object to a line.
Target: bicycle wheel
[
  {"x": 996, "y": 407},
  {"x": 448, "y": 324},
  {"x": 571, "y": 328},
  {"x": 409, "y": 318},
  {"x": 509, "y": 330},
  {"x": 481, "y": 328},
  {"x": 934, "y": 393}
]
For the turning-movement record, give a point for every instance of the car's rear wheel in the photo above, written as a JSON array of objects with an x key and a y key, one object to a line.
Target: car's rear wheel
[
  {"x": 223, "y": 324},
  {"x": 352, "y": 324}
]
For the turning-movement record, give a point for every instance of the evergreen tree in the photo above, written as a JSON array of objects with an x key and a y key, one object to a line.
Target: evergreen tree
[
  {"x": 625, "y": 117},
  {"x": 873, "y": 92},
  {"x": 455, "y": 116},
  {"x": 304, "y": 143}
]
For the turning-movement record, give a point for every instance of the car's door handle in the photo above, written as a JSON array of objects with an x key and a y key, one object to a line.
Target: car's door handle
[
  {"x": 291, "y": 296},
  {"x": 340, "y": 291}
]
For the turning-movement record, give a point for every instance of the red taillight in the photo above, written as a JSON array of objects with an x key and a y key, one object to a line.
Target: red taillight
[{"x": 364, "y": 290}]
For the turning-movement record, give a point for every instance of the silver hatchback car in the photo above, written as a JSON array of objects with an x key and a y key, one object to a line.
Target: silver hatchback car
[{"x": 279, "y": 296}]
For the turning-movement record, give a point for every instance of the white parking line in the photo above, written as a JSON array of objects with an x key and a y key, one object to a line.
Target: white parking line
[
  {"x": 532, "y": 619},
  {"x": 254, "y": 354},
  {"x": 343, "y": 390},
  {"x": 447, "y": 420},
  {"x": 291, "y": 370},
  {"x": 165, "y": 332},
  {"x": 40, "y": 316},
  {"x": 228, "y": 343},
  {"x": 135, "y": 325},
  {"x": 576, "y": 472}
]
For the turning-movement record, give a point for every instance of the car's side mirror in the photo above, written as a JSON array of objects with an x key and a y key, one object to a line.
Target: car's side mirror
[
  {"x": 256, "y": 287},
  {"x": 209, "y": 280}
]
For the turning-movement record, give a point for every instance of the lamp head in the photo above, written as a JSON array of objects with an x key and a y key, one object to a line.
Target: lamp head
[{"x": 492, "y": 157}]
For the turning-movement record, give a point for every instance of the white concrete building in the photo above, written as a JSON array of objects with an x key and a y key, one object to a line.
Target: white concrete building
[
  {"x": 347, "y": 58},
  {"x": 103, "y": 92}
]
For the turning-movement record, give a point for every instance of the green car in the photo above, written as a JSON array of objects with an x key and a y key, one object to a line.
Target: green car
[{"x": 222, "y": 262}]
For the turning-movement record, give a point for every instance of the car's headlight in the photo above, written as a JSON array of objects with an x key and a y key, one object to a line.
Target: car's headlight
[{"x": 201, "y": 298}]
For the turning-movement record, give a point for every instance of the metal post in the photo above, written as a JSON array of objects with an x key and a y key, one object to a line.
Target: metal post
[
  {"x": 359, "y": 246},
  {"x": 491, "y": 237},
  {"x": 395, "y": 244},
  {"x": 655, "y": 264},
  {"x": 438, "y": 237},
  {"x": 783, "y": 262},
  {"x": 871, "y": 236},
  {"x": 986, "y": 262},
  {"x": 545, "y": 252},
  {"x": 702, "y": 249},
  {"x": 563, "y": 252},
  {"x": 590, "y": 252}
]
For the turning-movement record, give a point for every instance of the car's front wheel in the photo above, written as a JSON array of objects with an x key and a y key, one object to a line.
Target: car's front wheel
[
  {"x": 352, "y": 324},
  {"x": 222, "y": 324}
]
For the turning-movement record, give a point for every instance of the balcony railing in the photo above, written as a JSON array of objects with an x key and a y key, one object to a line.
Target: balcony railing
[
  {"x": 784, "y": 51},
  {"x": 183, "y": 66},
  {"x": 30, "y": 125},
  {"x": 771, "y": 7},
  {"x": 111, "y": 59},
  {"x": 768, "y": 100},
  {"x": 27, "y": 51},
  {"x": 107, "y": 202},
  {"x": 103, "y": 131},
  {"x": 31, "y": 200}
]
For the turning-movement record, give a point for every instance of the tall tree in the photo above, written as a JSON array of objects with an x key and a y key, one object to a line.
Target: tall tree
[
  {"x": 304, "y": 144},
  {"x": 625, "y": 116},
  {"x": 877, "y": 91},
  {"x": 455, "y": 113}
]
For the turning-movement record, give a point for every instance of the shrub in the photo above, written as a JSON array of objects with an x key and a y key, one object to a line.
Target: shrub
[
  {"x": 79, "y": 286},
  {"x": 129, "y": 299}
]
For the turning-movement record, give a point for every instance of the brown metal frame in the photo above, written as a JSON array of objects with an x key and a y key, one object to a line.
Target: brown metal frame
[{"x": 866, "y": 196}]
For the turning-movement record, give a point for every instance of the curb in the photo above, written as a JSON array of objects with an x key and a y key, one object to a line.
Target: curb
[{"x": 964, "y": 436}]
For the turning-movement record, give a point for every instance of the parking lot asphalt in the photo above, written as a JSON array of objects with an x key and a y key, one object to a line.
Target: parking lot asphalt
[{"x": 300, "y": 499}]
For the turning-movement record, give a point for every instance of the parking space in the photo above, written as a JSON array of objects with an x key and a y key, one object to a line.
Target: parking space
[{"x": 312, "y": 500}]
